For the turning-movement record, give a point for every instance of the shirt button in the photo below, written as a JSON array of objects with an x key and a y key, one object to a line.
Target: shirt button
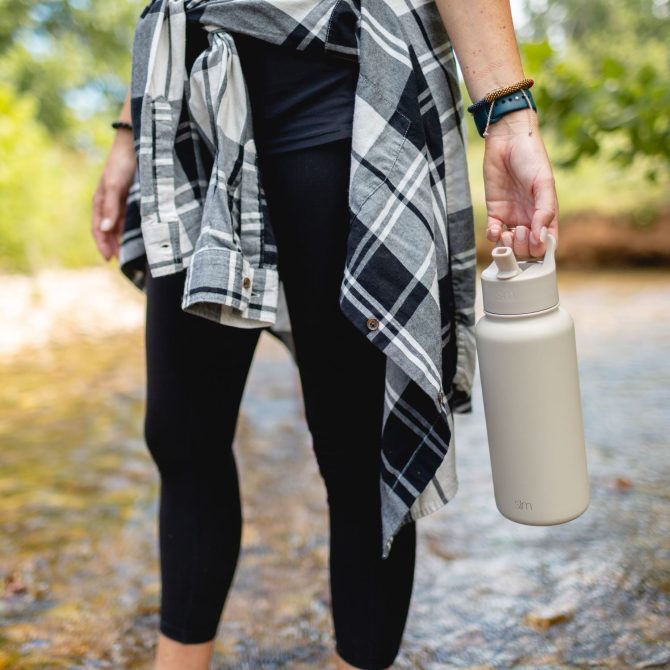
[
  {"x": 373, "y": 323},
  {"x": 246, "y": 282},
  {"x": 440, "y": 397}
]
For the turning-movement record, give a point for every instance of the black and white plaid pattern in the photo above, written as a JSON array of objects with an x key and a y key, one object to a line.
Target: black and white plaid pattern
[{"x": 409, "y": 282}]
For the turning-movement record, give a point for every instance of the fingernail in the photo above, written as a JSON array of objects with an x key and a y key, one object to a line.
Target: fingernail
[
  {"x": 495, "y": 230},
  {"x": 520, "y": 233},
  {"x": 507, "y": 238},
  {"x": 106, "y": 224},
  {"x": 543, "y": 234}
]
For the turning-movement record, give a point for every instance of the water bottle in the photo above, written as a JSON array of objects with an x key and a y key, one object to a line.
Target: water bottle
[{"x": 530, "y": 382}]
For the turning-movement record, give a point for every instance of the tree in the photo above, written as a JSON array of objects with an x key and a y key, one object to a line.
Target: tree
[{"x": 72, "y": 56}]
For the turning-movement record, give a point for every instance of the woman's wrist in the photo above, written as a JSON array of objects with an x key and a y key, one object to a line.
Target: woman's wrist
[
  {"x": 123, "y": 142},
  {"x": 489, "y": 77},
  {"x": 514, "y": 123},
  {"x": 124, "y": 120}
]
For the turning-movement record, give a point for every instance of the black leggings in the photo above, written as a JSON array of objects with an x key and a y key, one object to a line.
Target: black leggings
[{"x": 193, "y": 398}]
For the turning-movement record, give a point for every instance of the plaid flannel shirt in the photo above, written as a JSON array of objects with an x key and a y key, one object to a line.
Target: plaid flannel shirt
[{"x": 409, "y": 280}]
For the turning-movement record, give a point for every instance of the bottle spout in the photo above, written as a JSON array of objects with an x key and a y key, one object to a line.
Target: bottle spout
[{"x": 505, "y": 260}]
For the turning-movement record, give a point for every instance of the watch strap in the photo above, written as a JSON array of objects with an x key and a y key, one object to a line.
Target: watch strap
[{"x": 509, "y": 103}]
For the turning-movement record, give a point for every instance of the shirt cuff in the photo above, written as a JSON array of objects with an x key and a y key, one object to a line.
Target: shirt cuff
[{"x": 221, "y": 285}]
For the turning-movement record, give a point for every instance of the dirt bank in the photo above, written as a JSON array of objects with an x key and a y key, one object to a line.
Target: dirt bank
[{"x": 56, "y": 306}]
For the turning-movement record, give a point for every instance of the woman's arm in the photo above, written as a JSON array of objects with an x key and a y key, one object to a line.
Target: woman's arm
[
  {"x": 482, "y": 34},
  {"x": 518, "y": 178},
  {"x": 109, "y": 200}
]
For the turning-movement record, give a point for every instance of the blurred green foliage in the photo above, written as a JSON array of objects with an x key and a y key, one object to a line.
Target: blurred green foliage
[
  {"x": 44, "y": 192},
  {"x": 602, "y": 71},
  {"x": 71, "y": 56},
  {"x": 64, "y": 71}
]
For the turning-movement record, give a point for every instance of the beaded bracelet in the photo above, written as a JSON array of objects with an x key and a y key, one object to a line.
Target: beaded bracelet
[
  {"x": 122, "y": 125},
  {"x": 501, "y": 92}
]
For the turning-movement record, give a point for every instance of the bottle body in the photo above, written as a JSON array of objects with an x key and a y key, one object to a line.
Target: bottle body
[{"x": 532, "y": 405}]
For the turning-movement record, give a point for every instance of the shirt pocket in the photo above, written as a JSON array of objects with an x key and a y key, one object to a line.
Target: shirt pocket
[{"x": 380, "y": 131}]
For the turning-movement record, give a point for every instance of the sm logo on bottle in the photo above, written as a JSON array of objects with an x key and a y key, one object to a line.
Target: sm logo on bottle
[
  {"x": 506, "y": 293},
  {"x": 521, "y": 504}
]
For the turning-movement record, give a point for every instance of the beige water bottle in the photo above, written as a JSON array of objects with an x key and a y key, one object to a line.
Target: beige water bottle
[{"x": 530, "y": 383}]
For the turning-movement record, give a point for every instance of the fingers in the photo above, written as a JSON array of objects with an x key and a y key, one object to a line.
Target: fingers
[
  {"x": 110, "y": 208},
  {"x": 507, "y": 238},
  {"x": 537, "y": 244},
  {"x": 107, "y": 218},
  {"x": 101, "y": 239},
  {"x": 494, "y": 229},
  {"x": 520, "y": 240},
  {"x": 117, "y": 231},
  {"x": 516, "y": 237},
  {"x": 520, "y": 245}
]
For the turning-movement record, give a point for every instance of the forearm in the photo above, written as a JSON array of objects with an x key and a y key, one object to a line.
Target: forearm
[{"x": 483, "y": 38}]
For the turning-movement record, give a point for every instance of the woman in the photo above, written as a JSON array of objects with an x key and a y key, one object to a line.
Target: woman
[{"x": 303, "y": 111}]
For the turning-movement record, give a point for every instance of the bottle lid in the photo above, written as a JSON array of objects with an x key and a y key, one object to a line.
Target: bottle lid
[{"x": 512, "y": 287}]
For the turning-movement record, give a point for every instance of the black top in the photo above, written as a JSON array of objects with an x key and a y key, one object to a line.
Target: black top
[{"x": 297, "y": 99}]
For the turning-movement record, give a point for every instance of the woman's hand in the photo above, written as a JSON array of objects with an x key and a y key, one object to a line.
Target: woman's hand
[
  {"x": 519, "y": 186},
  {"x": 109, "y": 200}
]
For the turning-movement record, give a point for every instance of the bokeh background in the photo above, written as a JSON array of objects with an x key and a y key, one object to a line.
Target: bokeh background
[{"x": 79, "y": 584}]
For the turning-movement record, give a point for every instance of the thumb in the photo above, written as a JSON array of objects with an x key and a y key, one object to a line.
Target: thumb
[
  {"x": 545, "y": 214},
  {"x": 545, "y": 206}
]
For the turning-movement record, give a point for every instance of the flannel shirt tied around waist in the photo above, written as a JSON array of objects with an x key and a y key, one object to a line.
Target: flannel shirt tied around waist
[{"x": 409, "y": 281}]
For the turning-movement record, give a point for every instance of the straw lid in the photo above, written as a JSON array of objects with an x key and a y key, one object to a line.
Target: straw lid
[{"x": 511, "y": 287}]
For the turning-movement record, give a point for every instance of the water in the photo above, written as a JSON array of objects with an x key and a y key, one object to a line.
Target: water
[{"x": 79, "y": 560}]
